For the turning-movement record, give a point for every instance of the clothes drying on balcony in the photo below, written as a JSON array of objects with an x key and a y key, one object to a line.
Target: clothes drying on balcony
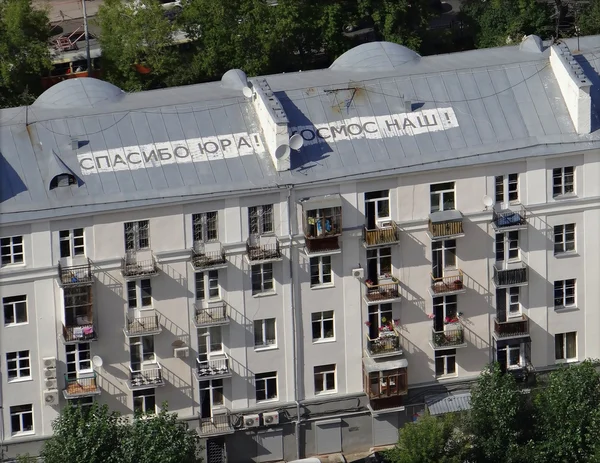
[{"x": 508, "y": 220}]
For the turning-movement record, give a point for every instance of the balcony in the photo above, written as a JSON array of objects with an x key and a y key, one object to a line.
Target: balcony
[
  {"x": 384, "y": 234},
  {"x": 75, "y": 275},
  {"x": 387, "y": 344},
  {"x": 451, "y": 283},
  {"x": 144, "y": 325},
  {"x": 322, "y": 224},
  {"x": 81, "y": 331},
  {"x": 509, "y": 219},
  {"x": 211, "y": 316},
  {"x": 385, "y": 383},
  {"x": 213, "y": 368},
  {"x": 452, "y": 337},
  {"x": 216, "y": 425},
  {"x": 206, "y": 258},
  {"x": 135, "y": 266},
  {"x": 385, "y": 291},
  {"x": 516, "y": 327},
  {"x": 83, "y": 386},
  {"x": 508, "y": 274},
  {"x": 445, "y": 225},
  {"x": 150, "y": 375},
  {"x": 262, "y": 249}
]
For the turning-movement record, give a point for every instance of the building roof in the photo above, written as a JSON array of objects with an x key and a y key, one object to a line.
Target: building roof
[
  {"x": 450, "y": 403},
  {"x": 201, "y": 140}
]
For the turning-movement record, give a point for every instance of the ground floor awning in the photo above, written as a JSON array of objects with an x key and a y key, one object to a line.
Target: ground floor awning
[{"x": 441, "y": 404}]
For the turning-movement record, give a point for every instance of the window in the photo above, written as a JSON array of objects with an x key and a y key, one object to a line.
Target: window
[
  {"x": 71, "y": 243},
  {"x": 137, "y": 235},
  {"x": 210, "y": 340},
  {"x": 507, "y": 187},
  {"x": 565, "y": 346},
  {"x": 564, "y": 238},
  {"x": 11, "y": 249},
  {"x": 139, "y": 294},
  {"x": 379, "y": 263},
  {"x": 205, "y": 227},
  {"x": 563, "y": 181},
  {"x": 21, "y": 419},
  {"x": 213, "y": 285},
  {"x": 379, "y": 315},
  {"x": 79, "y": 359},
  {"x": 445, "y": 362},
  {"x": 322, "y": 325},
  {"x": 324, "y": 379},
  {"x": 320, "y": 270},
  {"x": 260, "y": 219},
  {"x": 15, "y": 310},
  {"x": 377, "y": 207},
  {"x": 266, "y": 386},
  {"x": 144, "y": 401},
  {"x": 84, "y": 402},
  {"x": 513, "y": 303},
  {"x": 18, "y": 365},
  {"x": 213, "y": 390},
  {"x": 264, "y": 333},
  {"x": 141, "y": 349},
  {"x": 262, "y": 278},
  {"x": 507, "y": 246},
  {"x": 78, "y": 306},
  {"x": 445, "y": 309},
  {"x": 564, "y": 293},
  {"x": 443, "y": 257},
  {"x": 442, "y": 197}
]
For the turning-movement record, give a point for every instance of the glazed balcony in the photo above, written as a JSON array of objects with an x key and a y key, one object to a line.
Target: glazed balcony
[
  {"x": 211, "y": 257},
  {"x": 262, "y": 249},
  {"x": 451, "y": 283},
  {"x": 509, "y": 219},
  {"x": 385, "y": 382},
  {"x": 216, "y": 425},
  {"x": 75, "y": 275},
  {"x": 215, "y": 368},
  {"x": 516, "y": 327},
  {"x": 385, "y": 291},
  {"x": 211, "y": 316},
  {"x": 322, "y": 224},
  {"x": 451, "y": 337},
  {"x": 445, "y": 225},
  {"x": 146, "y": 324},
  {"x": 149, "y": 375},
  {"x": 384, "y": 234},
  {"x": 386, "y": 344},
  {"x": 135, "y": 266},
  {"x": 508, "y": 274},
  {"x": 83, "y": 386}
]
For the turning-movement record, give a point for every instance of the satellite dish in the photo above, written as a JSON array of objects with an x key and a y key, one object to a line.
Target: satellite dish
[
  {"x": 282, "y": 151},
  {"x": 247, "y": 91},
  {"x": 97, "y": 361},
  {"x": 488, "y": 201},
  {"x": 296, "y": 141}
]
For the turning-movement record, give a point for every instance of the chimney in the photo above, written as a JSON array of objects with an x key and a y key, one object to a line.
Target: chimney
[
  {"x": 273, "y": 123},
  {"x": 574, "y": 86}
]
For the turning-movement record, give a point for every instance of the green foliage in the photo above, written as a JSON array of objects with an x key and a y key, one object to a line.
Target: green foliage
[
  {"x": 589, "y": 18},
  {"x": 26, "y": 459},
  {"x": 24, "y": 54}
]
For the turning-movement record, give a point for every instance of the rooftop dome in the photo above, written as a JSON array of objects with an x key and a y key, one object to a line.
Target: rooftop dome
[
  {"x": 79, "y": 93},
  {"x": 532, "y": 44},
  {"x": 375, "y": 56}
]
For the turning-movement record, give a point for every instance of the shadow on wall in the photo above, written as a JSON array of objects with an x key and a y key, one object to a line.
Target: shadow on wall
[
  {"x": 413, "y": 251},
  {"x": 539, "y": 225},
  {"x": 482, "y": 236},
  {"x": 411, "y": 302},
  {"x": 594, "y": 78},
  {"x": 11, "y": 184},
  {"x": 174, "y": 285}
]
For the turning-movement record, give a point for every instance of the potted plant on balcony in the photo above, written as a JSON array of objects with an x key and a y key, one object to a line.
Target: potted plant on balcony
[
  {"x": 456, "y": 285},
  {"x": 369, "y": 283}
]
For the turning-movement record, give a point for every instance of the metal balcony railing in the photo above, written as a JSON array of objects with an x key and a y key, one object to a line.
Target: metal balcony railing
[
  {"x": 513, "y": 327},
  {"x": 453, "y": 282},
  {"x": 510, "y": 274},
  {"x": 133, "y": 268},
  {"x": 388, "y": 234},
  {"x": 208, "y": 259},
  {"x": 75, "y": 275},
  {"x": 140, "y": 326},
  {"x": 214, "y": 315},
  {"x": 262, "y": 252},
  {"x": 216, "y": 424},
  {"x": 509, "y": 219},
  {"x": 81, "y": 386},
  {"x": 150, "y": 375},
  {"x": 322, "y": 245},
  {"x": 452, "y": 336},
  {"x": 388, "y": 343},
  {"x": 79, "y": 333},
  {"x": 209, "y": 369},
  {"x": 381, "y": 292}
]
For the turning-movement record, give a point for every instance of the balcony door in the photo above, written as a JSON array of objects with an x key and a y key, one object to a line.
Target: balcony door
[
  {"x": 379, "y": 263},
  {"x": 443, "y": 256},
  {"x": 210, "y": 341},
  {"x": 444, "y": 309},
  {"x": 377, "y": 208},
  {"x": 211, "y": 395},
  {"x": 379, "y": 315},
  {"x": 508, "y": 303},
  {"x": 141, "y": 352}
]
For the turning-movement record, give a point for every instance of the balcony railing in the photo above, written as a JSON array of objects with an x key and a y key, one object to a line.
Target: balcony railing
[
  {"x": 510, "y": 274},
  {"x": 217, "y": 424},
  {"x": 382, "y": 292},
  {"x": 133, "y": 268},
  {"x": 79, "y": 333},
  {"x": 150, "y": 375},
  {"x": 513, "y": 327},
  {"x": 382, "y": 235},
  {"x": 452, "y": 336},
  {"x": 213, "y": 368},
  {"x": 263, "y": 251},
  {"x": 452, "y": 283},
  {"x": 445, "y": 224},
  {"x": 322, "y": 245},
  {"x": 388, "y": 343},
  {"x": 85, "y": 385},
  {"x": 214, "y": 315},
  {"x": 208, "y": 259},
  {"x": 509, "y": 220},
  {"x": 142, "y": 326},
  {"x": 75, "y": 275}
]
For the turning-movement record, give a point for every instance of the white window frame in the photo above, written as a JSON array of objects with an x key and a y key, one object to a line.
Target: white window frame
[
  {"x": 12, "y": 250},
  {"x": 563, "y": 181},
  {"x": 146, "y": 358},
  {"x": 137, "y": 284},
  {"x": 205, "y": 227},
  {"x": 562, "y": 337},
  {"x": 212, "y": 338},
  {"x": 138, "y": 234},
  {"x": 207, "y": 282},
  {"x": 261, "y": 382},
  {"x": 507, "y": 189},
  {"x": 323, "y": 374},
  {"x": 511, "y": 348},
  {"x": 144, "y": 394},
  {"x": 565, "y": 287},
  {"x": 384, "y": 199},
  {"x": 319, "y": 319},
  {"x": 447, "y": 248},
  {"x": 381, "y": 255},
  {"x": 321, "y": 264},
  {"x": 448, "y": 305},
  {"x": 508, "y": 243},
  {"x": 513, "y": 299},
  {"x": 213, "y": 385},
  {"x": 15, "y": 302},
  {"x": 565, "y": 238},
  {"x": 261, "y": 220},
  {"x": 82, "y": 364},
  {"x": 75, "y": 240},
  {"x": 22, "y": 372},
  {"x": 446, "y": 355},
  {"x": 379, "y": 312},
  {"x": 21, "y": 411},
  {"x": 438, "y": 192},
  {"x": 263, "y": 271},
  {"x": 261, "y": 329}
]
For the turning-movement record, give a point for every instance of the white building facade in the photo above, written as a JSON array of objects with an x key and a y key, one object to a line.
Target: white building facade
[{"x": 313, "y": 305}]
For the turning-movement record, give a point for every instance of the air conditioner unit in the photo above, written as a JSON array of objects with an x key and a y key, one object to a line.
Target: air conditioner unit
[
  {"x": 181, "y": 352},
  {"x": 270, "y": 418},
  {"x": 49, "y": 373},
  {"x": 384, "y": 224},
  {"x": 251, "y": 421},
  {"x": 49, "y": 362},
  {"x": 358, "y": 272},
  {"x": 51, "y": 383},
  {"x": 51, "y": 397}
]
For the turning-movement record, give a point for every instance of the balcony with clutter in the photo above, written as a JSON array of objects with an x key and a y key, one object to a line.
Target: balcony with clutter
[
  {"x": 75, "y": 275},
  {"x": 144, "y": 323},
  {"x": 385, "y": 383},
  {"x": 384, "y": 233},
  {"x": 511, "y": 219},
  {"x": 262, "y": 249},
  {"x": 322, "y": 224},
  {"x": 218, "y": 424},
  {"x": 213, "y": 315},
  {"x": 147, "y": 374},
  {"x": 79, "y": 324},
  {"x": 208, "y": 256},
  {"x": 445, "y": 225},
  {"x": 514, "y": 356},
  {"x": 83, "y": 385},
  {"x": 386, "y": 289},
  {"x": 387, "y": 342},
  {"x": 511, "y": 327},
  {"x": 138, "y": 265},
  {"x": 452, "y": 282},
  {"x": 508, "y": 274},
  {"x": 212, "y": 368}
]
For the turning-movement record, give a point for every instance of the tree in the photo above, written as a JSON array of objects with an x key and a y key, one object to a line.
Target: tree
[
  {"x": 588, "y": 18},
  {"x": 495, "y": 23},
  {"x": 24, "y": 53}
]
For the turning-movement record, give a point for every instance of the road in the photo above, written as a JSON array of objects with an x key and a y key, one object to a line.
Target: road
[
  {"x": 59, "y": 10},
  {"x": 70, "y": 25}
]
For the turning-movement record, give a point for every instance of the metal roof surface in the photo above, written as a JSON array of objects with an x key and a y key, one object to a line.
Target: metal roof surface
[
  {"x": 488, "y": 105},
  {"x": 457, "y": 402}
]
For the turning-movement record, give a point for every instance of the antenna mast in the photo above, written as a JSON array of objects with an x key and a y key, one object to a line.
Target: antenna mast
[{"x": 87, "y": 38}]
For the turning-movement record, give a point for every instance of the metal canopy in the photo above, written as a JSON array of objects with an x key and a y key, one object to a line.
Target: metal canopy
[
  {"x": 440, "y": 405},
  {"x": 321, "y": 202},
  {"x": 371, "y": 365},
  {"x": 445, "y": 216}
]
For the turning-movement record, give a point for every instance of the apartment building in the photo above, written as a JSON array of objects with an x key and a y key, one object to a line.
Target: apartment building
[{"x": 299, "y": 264}]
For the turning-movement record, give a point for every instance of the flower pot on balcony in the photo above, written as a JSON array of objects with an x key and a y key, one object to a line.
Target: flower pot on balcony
[{"x": 456, "y": 285}]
